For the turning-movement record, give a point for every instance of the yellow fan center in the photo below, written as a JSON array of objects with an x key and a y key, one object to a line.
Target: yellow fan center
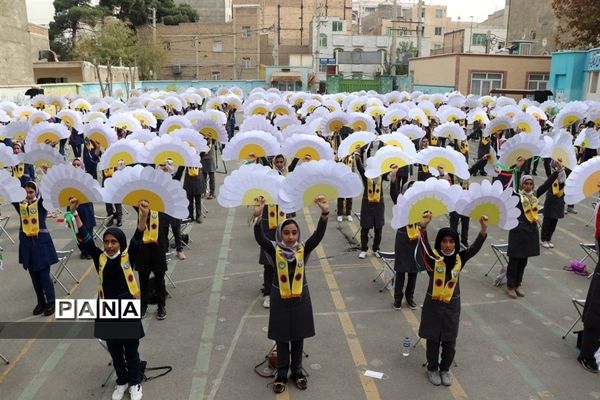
[
  {"x": 178, "y": 159},
  {"x": 490, "y": 210},
  {"x": 173, "y": 127},
  {"x": 525, "y": 127},
  {"x": 210, "y": 133},
  {"x": 48, "y": 136},
  {"x": 133, "y": 199},
  {"x": 499, "y": 128},
  {"x": 254, "y": 149},
  {"x": 591, "y": 184},
  {"x": 335, "y": 125},
  {"x": 359, "y": 126},
  {"x": 321, "y": 189},
  {"x": 512, "y": 157},
  {"x": 259, "y": 111},
  {"x": 100, "y": 138},
  {"x": 251, "y": 194},
  {"x": 68, "y": 192},
  {"x": 435, "y": 206},
  {"x": 448, "y": 166},
  {"x": 308, "y": 151},
  {"x": 386, "y": 165},
  {"x": 570, "y": 120},
  {"x": 122, "y": 155}
]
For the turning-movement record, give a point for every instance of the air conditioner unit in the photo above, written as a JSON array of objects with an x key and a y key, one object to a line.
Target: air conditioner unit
[{"x": 176, "y": 69}]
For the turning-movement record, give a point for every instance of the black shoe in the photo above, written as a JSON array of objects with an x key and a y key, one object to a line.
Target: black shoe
[
  {"x": 49, "y": 310},
  {"x": 82, "y": 256},
  {"x": 161, "y": 313},
  {"x": 397, "y": 305},
  {"x": 279, "y": 384},
  {"x": 110, "y": 222},
  {"x": 411, "y": 304},
  {"x": 144, "y": 309},
  {"x": 88, "y": 257},
  {"x": 534, "y": 173},
  {"x": 300, "y": 381},
  {"x": 39, "y": 309},
  {"x": 199, "y": 220},
  {"x": 589, "y": 365},
  {"x": 119, "y": 222}
]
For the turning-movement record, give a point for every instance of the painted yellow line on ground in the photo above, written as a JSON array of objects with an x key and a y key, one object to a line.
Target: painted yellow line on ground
[
  {"x": 358, "y": 356},
  {"x": 456, "y": 389},
  {"x": 31, "y": 341}
]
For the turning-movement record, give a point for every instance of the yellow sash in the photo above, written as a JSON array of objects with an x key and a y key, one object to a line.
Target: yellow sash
[
  {"x": 192, "y": 171},
  {"x": 433, "y": 141},
  {"x": 374, "y": 190},
  {"x": 442, "y": 290},
  {"x": 127, "y": 271},
  {"x": 530, "y": 209},
  {"x": 18, "y": 170},
  {"x": 283, "y": 274},
  {"x": 30, "y": 218},
  {"x": 349, "y": 161},
  {"x": 151, "y": 232},
  {"x": 275, "y": 215},
  {"x": 412, "y": 231},
  {"x": 556, "y": 190},
  {"x": 108, "y": 172},
  {"x": 464, "y": 147},
  {"x": 425, "y": 168},
  {"x": 485, "y": 141}
]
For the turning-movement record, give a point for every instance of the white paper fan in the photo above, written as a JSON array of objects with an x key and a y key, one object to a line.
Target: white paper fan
[
  {"x": 417, "y": 115},
  {"x": 251, "y": 144},
  {"x": 166, "y": 147},
  {"x": 193, "y": 138},
  {"x": 434, "y": 195},
  {"x": 144, "y": 117},
  {"x": 257, "y": 123},
  {"x": 309, "y": 180},
  {"x": 301, "y": 146},
  {"x": 401, "y": 141},
  {"x": 216, "y": 115},
  {"x": 361, "y": 122},
  {"x": 70, "y": 118},
  {"x": 128, "y": 151},
  {"x": 451, "y": 160},
  {"x": 588, "y": 138},
  {"x": 38, "y": 116},
  {"x": 521, "y": 145},
  {"x": 247, "y": 183},
  {"x": 500, "y": 206},
  {"x": 450, "y": 114},
  {"x": 211, "y": 129},
  {"x": 257, "y": 107},
  {"x": 353, "y": 142},
  {"x": 567, "y": 117},
  {"x": 41, "y": 154},
  {"x": 101, "y": 133},
  {"x": 281, "y": 108},
  {"x": 383, "y": 160},
  {"x": 285, "y": 121},
  {"x": 478, "y": 114},
  {"x": 334, "y": 121},
  {"x": 7, "y": 157},
  {"x": 562, "y": 149},
  {"x": 173, "y": 123},
  {"x": 527, "y": 123},
  {"x": 94, "y": 116},
  {"x": 413, "y": 132},
  {"x": 450, "y": 130},
  {"x": 10, "y": 188},
  {"x": 16, "y": 130},
  {"x": 583, "y": 181},
  {"x": 394, "y": 115},
  {"x": 47, "y": 132},
  {"x": 133, "y": 184},
  {"x": 490, "y": 165},
  {"x": 497, "y": 125},
  {"x": 63, "y": 181},
  {"x": 81, "y": 105},
  {"x": 124, "y": 121},
  {"x": 145, "y": 135}
]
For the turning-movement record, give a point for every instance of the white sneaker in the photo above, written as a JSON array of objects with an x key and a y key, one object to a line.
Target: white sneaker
[
  {"x": 119, "y": 392},
  {"x": 266, "y": 301},
  {"x": 363, "y": 254},
  {"x": 350, "y": 218},
  {"x": 340, "y": 218},
  {"x": 135, "y": 392},
  {"x": 551, "y": 245},
  {"x": 545, "y": 245}
]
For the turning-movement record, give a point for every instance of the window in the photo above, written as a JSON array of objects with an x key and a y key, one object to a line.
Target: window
[
  {"x": 217, "y": 46},
  {"x": 422, "y": 13},
  {"x": 322, "y": 40},
  {"x": 537, "y": 81},
  {"x": 388, "y": 31},
  {"x": 594, "y": 82},
  {"x": 479, "y": 39},
  {"x": 438, "y": 31},
  {"x": 483, "y": 82},
  {"x": 246, "y": 31},
  {"x": 525, "y": 49},
  {"x": 439, "y": 13},
  {"x": 246, "y": 62},
  {"x": 322, "y": 67},
  {"x": 216, "y": 75},
  {"x": 337, "y": 26}
]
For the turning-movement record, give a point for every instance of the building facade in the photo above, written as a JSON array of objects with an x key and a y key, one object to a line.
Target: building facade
[
  {"x": 479, "y": 73},
  {"x": 210, "y": 10},
  {"x": 575, "y": 75},
  {"x": 16, "y": 56},
  {"x": 214, "y": 51}
]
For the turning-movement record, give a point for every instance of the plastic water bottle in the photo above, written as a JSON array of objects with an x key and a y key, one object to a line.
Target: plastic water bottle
[{"x": 406, "y": 346}]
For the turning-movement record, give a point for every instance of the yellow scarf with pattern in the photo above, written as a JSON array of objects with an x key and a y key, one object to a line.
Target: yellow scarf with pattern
[
  {"x": 151, "y": 232},
  {"x": 442, "y": 289},
  {"x": 18, "y": 170},
  {"x": 283, "y": 275},
  {"x": 30, "y": 219},
  {"x": 374, "y": 190},
  {"x": 275, "y": 215},
  {"x": 127, "y": 271},
  {"x": 193, "y": 171},
  {"x": 530, "y": 207},
  {"x": 556, "y": 189}
]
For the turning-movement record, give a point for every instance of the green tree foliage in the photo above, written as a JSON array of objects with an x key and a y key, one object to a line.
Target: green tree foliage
[
  {"x": 138, "y": 11},
  {"x": 70, "y": 17},
  {"x": 113, "y": 43},
  {"x": 149, "y": 57},
  {"x": 578, "y": 27}
]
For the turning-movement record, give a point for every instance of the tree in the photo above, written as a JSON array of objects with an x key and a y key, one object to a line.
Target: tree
[
  {"x": 138, "y": 11},
  {"x": 578, "y": 27},
  {"x": 149, "y": 57},
  {"x": 70, "y": 17}
]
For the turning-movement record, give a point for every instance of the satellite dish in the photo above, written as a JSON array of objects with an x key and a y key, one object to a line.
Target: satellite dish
[{"x": 544, "y": 42}]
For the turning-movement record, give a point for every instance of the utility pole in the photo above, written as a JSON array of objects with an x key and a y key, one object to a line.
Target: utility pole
[
  {"x": 277, "y": 38},
  {"x": 419, "y": 12},
  {"x": 197, "y": 57},
  {"x": 258, "y": 30},
  {"x": 235, "y": 33},
  {"x": 471, "y": 34},
  {"x": 394, "y": 47},
  {"x": 153, "y": 9}
]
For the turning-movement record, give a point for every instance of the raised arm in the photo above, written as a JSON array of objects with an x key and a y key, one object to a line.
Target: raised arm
[
  {"x": 469, "y": 253},
  {"x": 85, "y": 240},
  {"x": 313, "y": 241},
  {"x": 543, "y": 188},
  {"x": 259, "y": 235}
]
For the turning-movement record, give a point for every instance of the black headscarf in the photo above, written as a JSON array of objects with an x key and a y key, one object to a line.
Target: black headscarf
[
  {"x": 442, "y": 233},
  {"x": 119, "y": 235}
]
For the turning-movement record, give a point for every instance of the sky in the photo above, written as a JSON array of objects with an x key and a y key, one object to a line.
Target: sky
[{"x": 42, "y": 11}]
